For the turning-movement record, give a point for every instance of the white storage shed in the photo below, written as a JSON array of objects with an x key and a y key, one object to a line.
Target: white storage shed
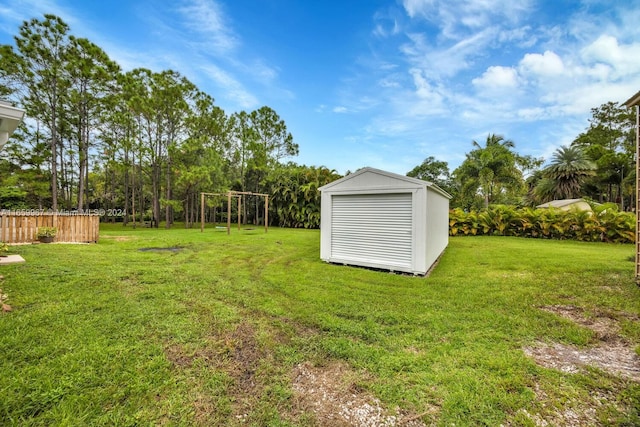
[{"x": 379, "y": 219}]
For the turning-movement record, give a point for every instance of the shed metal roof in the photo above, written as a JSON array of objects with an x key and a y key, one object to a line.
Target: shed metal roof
[
  {"x": 407, "y": 179},
  {"x": 560, "y": 203}
]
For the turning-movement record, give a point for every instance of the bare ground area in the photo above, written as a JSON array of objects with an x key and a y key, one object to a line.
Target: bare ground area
[
  {"x": 331, "y": 393},
  {"x": 238, "y": 354},
  {"x": 612, "y": 354},
  {"x": 569, "y": 413},
  {"x": 119, "y": 238},
  {"x": 617, "y": 358}
]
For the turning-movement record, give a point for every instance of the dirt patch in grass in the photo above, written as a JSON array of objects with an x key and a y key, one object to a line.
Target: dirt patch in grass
[
  {"x": 618, "y": 359},
  {"x": 567, "y": 414},
  {"x": 245, "y": 356},
  {"x": 612, "y": 354},
  {"x": 238, "y": 354},
  {"x": 300, "y": 330},
  {"x": 331, "y": 393},
  {"x": 604, "y": 324},
  {"x": 3, "y": 298},
  {"x": 179, "y": 357},
  {"x": 163, "y": 249},
  {"x": 120, "y": 238}
]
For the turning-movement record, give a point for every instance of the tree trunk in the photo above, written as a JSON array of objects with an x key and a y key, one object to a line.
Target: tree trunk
[
  {"x": 141, "y": 186},
  {"x": 66, "y": 198},
  {"x": 155, "y": 186},
  {"x": 194, "y": 211},
  {"x": 125, "y": 219},
  {"x": 54, "y": 153},
  {"x": 168, "y": 209},
  {"x": 83, "y": 154},
  {"x": 86, "y": 172},
  {"x": 133, "y": 191},
  {"x": 81, "y": 164},
  {"x": 186, "y": 209},
  {"x": 112, "y": 197}
]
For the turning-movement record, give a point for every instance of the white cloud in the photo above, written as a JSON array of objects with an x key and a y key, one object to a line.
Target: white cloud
[
  {"x": 523, "y": 37},
  {"x": 14, "y": 12},
  {"x": 218, "y": 48},
  {"x": 235, "y": 91},
  {"x": 624, "y": 59},
  {"x": 445, "y": 61},
  {"x": 257, "y": 68},
  {"x": 533, "y": 113},
  {"x": 419, "y": 7},
  {"x": 592, "y": 72},
  {"x": 385, "y": 25},
  {"x": 458, "y": 16},
  {"x": 340, "y": 109},
  {"x": 548, "y": 64},
  {"x": 10, "y": 19},
  {"x": 497, "y": 77},
  {"x": 389, "y": 82},
  {"x": 206, "y": 17},
  {"x": 578, "y": 100},
  {"x": 603, "y": 70},
  {"x": 423, "y": 89}
]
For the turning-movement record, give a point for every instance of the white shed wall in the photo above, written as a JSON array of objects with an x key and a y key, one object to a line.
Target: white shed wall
[{"x": 437, "y": 225}]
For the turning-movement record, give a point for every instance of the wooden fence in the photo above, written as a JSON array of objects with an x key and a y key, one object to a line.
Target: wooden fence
[{"x": 22, "y": 226}]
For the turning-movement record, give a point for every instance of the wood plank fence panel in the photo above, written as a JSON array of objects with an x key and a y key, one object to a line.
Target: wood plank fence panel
[{"x": 22, "y": 227}]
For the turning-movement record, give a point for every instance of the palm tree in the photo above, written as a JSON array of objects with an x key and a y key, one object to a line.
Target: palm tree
[
  {"x": 568, "y": 169},
  {"x": 490, "y": 170}
]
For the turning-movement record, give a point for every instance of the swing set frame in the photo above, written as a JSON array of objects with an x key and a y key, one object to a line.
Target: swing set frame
[{"x": 238, "y": 195}]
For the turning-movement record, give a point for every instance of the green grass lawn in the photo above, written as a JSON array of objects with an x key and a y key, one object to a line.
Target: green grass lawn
[{"x": 212, "y": 333}]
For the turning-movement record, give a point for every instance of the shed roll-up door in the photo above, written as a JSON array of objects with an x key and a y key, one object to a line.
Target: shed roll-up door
[{"x": 372, "y": 228}]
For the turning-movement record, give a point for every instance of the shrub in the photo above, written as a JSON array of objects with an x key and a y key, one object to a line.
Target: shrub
[
  {"x": 46, "y": 232},
  {"x": 606, "y": 223}
]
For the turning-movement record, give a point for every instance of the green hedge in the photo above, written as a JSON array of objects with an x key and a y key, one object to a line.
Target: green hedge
[{"x": 604, "y": 224}]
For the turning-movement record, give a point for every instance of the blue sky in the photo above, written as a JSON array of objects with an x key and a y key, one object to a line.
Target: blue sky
[{"x": 379, "y": 83}]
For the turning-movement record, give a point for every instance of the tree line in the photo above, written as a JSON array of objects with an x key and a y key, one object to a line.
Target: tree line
[
  {"x": 598, "y": 165},
  {"x": 145, "y": 143}
]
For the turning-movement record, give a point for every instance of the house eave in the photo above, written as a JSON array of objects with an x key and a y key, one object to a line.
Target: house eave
[
  {"x": 10, "y": 118},
  {"x": 634, "y": 100}
]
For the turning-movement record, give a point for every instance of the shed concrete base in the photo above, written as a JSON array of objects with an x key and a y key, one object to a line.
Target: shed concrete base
[{"x": 11, "y": 259}]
